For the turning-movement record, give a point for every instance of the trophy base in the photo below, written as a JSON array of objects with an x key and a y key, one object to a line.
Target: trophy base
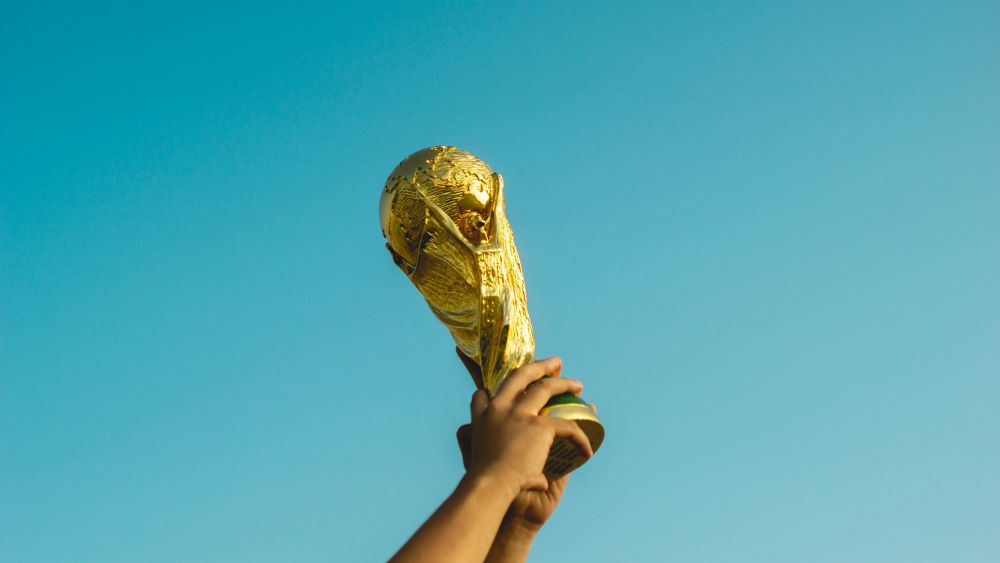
[{"x": 564, "y": 457}]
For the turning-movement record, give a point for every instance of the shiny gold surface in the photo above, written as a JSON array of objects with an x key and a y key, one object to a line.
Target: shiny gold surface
[
  {"x": 442, "y": 214},
  {"x": 443, "y": 218}
]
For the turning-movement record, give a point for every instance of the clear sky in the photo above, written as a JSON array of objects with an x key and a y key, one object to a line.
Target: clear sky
[{"x": 765, "y": 235}]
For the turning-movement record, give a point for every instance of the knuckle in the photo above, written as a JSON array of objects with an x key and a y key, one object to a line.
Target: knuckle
[{"x": 540, "y": 386}]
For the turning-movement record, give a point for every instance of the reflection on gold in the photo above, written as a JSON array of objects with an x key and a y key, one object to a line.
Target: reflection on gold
[{"x": 442, "y": 214}]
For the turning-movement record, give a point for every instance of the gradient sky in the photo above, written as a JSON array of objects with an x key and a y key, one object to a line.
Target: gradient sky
[{"x": 767, "y": 238}]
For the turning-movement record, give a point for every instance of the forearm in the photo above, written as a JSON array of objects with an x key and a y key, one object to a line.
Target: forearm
[
  {"x": 464, "y": 526},
  {"x": 513, "y": 541}
]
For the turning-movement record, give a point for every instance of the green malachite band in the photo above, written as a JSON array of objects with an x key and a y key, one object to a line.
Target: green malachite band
[{"x": 565, "y": 399}]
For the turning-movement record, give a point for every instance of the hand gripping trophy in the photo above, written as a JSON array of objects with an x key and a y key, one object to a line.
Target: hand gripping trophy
[{"x": 442, "y": 214}]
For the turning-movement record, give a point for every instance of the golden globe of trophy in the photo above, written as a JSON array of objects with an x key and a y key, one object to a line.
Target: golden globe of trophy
[{"x": 442, "y": 215}]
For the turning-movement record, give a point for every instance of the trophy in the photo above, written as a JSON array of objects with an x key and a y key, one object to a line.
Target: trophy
[{"x": 442, "y": 215}]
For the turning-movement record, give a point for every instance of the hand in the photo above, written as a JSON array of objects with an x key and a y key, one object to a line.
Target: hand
[
  {"x": 509, "y": 440},
  {"x": 530, "y": 509},
  {"x": 508, "y": 446}
]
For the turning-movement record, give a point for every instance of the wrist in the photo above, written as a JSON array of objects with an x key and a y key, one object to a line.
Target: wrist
[
  {"x": 517, "y": 529},
  {"x": 495, "y": 481},
  {"x": 513, "y": 541}
]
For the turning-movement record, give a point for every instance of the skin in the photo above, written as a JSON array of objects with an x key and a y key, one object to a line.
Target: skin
[
  {"x": 525, "y": 516},
  {"x": 530, "y": 509},
  {"x": 503, "y": 496}
]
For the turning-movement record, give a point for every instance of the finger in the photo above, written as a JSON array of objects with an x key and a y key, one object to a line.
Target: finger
[
  {"x": 473, "y": 368},
  {"x": 538, "y": 483},
  {"x": 572, "y": 432},
  {"x": 480, "y": 400},
  {"x": 520, "y": 378},
  {"x": 464, "y": 436},
  {"x": 593, "y": 407},
  {"x": 557, "y": 486},
  {"x": 539, "y": 392}
]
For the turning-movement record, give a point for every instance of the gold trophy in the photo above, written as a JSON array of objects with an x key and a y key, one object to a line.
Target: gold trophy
[{"x": 442, "y": 214}]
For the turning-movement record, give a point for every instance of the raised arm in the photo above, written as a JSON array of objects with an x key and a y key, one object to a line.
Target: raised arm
[{"x": 509, "y": 445}]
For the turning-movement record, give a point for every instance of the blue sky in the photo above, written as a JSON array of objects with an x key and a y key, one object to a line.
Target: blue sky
[{"x": 766, "y": 236}]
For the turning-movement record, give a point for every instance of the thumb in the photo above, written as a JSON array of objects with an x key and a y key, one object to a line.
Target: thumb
[{"x": 480, "y": 400}]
